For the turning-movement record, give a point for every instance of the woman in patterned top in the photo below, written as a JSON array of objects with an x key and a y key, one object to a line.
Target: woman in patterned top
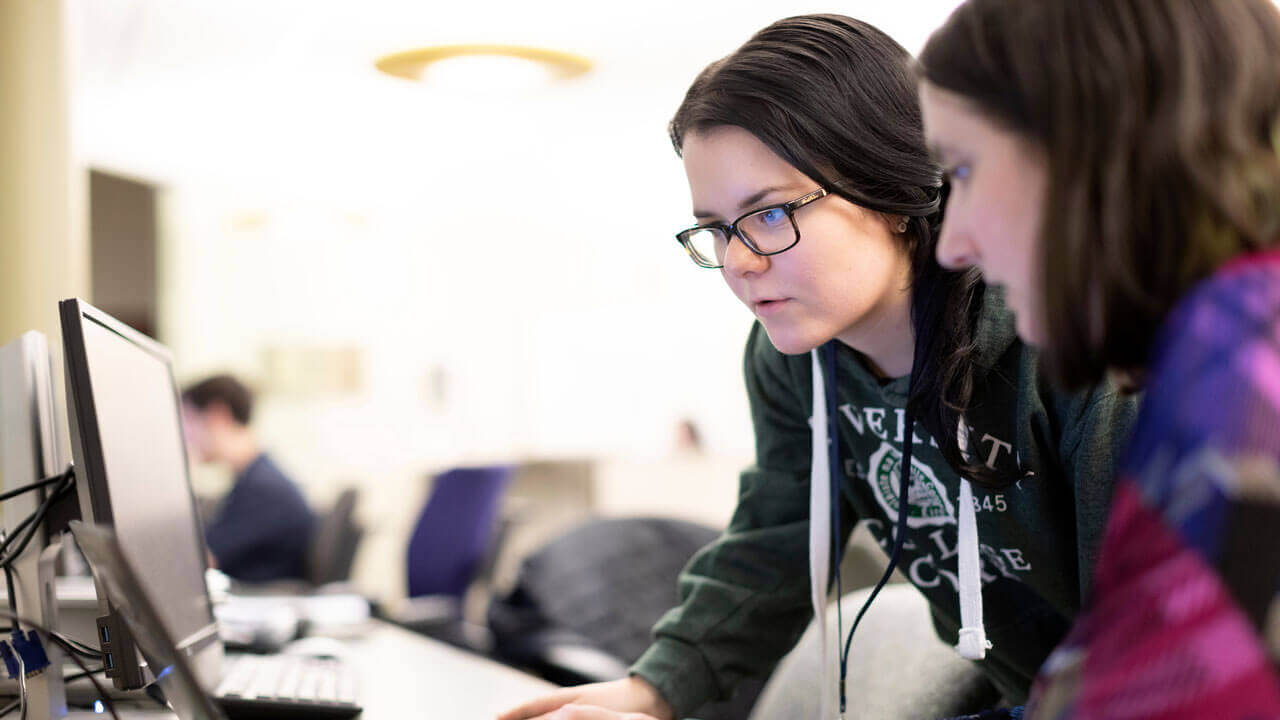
[{"x": 1115, "y": 165}]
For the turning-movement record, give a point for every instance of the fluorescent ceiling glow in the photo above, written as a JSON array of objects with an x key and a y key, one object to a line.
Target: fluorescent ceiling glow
[
  {"x": 486, "y": 73},
  {"x": 485, "y": 68}
]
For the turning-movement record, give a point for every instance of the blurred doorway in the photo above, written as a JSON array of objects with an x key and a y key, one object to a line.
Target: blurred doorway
[{"x": 122, "y": 235}]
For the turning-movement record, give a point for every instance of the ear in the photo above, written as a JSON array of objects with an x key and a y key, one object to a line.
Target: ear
[{"x": 217, "y": 414}]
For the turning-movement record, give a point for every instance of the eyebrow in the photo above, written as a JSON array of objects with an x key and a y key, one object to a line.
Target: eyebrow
[
  {"x": 747, "y": 202},
  {"x": 940, "y": 152}
]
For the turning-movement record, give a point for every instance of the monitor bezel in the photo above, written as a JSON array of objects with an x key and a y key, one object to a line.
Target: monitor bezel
[{"x": 91, "y": 476}]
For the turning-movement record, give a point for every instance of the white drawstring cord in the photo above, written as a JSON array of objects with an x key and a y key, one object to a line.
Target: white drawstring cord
[{"x": 820, "y": 531}]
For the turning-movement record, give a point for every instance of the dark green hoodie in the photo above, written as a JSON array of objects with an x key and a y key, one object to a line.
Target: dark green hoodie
[{"x": 745, "y": 598}]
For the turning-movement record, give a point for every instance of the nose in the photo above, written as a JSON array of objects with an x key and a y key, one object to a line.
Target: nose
[
  {"x": 955, "y": 249},
  {"x": 739, "y": 260}
]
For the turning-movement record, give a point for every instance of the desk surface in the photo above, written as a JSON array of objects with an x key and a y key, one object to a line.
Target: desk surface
[{"x": 404, "y": 674}]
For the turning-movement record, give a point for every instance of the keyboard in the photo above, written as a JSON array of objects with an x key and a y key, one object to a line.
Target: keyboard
[{"x": 284, "y": 686}]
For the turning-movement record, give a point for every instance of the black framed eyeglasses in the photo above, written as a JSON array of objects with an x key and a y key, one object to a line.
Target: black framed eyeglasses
[{"x": 767, "y": 231}]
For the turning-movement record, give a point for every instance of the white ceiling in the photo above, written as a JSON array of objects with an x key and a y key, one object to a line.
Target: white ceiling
[{"x": 281, "y": 95}]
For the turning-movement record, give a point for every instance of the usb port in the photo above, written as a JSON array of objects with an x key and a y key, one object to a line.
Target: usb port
[
  {"x": 108, "y": 661},
  {"x": 106, "y": 636}
]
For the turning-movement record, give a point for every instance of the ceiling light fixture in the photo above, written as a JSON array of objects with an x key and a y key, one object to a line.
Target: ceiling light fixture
[{"x": 484, "y": 64}]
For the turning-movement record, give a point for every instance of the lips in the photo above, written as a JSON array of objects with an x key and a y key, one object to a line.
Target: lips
[{"x": 769, "y": 306}]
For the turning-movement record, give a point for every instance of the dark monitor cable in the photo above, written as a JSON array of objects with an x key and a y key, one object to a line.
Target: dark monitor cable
[
  {"x": 56, "y": 638},
  {"x": 19, "y": 538}
]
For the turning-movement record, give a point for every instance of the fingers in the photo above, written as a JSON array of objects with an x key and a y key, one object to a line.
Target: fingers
[
  {"x": 538, "y": 708},
  {"x": 574, "y": 711}
]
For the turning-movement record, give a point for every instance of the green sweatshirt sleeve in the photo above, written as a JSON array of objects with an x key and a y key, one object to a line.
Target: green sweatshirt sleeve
[{"x": 745, "y": 598}]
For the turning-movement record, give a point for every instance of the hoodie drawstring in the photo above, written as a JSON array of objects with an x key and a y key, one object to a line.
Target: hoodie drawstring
[
  {"x": 820, "y": 527},
  {"x": 973, "y": 643},
  {"x": 823, "y": 505}
]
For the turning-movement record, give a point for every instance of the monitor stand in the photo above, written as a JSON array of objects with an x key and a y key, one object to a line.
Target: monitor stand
[{"x": 46, "y": 692}]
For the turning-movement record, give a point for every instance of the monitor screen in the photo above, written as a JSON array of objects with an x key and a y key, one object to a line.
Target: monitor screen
[{"x": 132, "y": 462}]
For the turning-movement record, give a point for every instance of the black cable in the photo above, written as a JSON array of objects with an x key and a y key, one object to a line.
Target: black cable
[
  {"x": 26, "y": 529},
  {"x": 904, "y": 486},
  {"x": 8, "y": 538},
  {"x": 80, "y": 676},
  {"x": 65, "y": 474},
  {"x": 13, "y": 594},
  {"x": 82, "y": 649},
  {"x": 53, "y": 636},
  {"x": 33, "y": 523}
]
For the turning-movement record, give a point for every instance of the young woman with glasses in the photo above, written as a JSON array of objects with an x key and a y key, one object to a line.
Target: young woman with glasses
[
  {"x": 816, "y": 200},
  {"x": 1116, "y": 166}
]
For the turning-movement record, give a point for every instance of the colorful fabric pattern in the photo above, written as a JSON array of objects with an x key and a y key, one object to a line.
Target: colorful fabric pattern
[{"x": 1183, "y": 621}]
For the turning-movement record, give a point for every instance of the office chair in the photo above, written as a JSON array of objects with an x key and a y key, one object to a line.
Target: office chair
[
  {"x": 449, "y": 544},
  {"x": 331, "y": 553},
  {"x": 334, "y": 542},
  {"x": 585, "y": 603}
]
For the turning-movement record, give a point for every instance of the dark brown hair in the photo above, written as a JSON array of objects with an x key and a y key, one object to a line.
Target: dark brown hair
[
  {"x": 224, "y": 390},
  {"x": 1158, "y": 119},
  {"x": 836, "y": 98}
]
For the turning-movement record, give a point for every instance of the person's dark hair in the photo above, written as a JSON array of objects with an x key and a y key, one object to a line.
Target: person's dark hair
[
  {"x": 224, "y": 390},
  {"x": 1158, "y": 120},
  {"x": 836, "y": 98}
]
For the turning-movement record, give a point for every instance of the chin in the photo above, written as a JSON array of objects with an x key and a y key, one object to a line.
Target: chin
[
  {"x": 1031, "y": 332},
  {"x": 789, "y": 341}
]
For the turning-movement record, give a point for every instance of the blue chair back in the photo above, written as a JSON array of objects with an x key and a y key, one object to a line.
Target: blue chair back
[{"x": 455, "y": 530}]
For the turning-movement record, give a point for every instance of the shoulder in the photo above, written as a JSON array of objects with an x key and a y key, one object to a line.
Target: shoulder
[
  {"x": 1238, "y": 303},
  {"x": 1051, "y": 425},
  {"x": 1213, "y": 367},
  {"x": 264, "y": 476},
  {"x": 1225, "y": 327}
]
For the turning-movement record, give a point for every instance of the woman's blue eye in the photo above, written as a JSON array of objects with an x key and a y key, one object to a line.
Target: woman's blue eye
[
  {"x": 958, "y": 172},
  {"x": 773, "y": 216}
]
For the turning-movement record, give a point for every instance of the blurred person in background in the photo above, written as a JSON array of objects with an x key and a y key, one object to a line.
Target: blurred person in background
[
  {"x": 688, "y": 438},
  {"x": 818, "y": 204},
  {"x": 1115, "y": 165},
  {"x": 262, "y": 528}
]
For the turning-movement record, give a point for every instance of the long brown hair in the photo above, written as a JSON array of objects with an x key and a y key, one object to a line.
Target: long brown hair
[
  {"x": 836, "y": 98},
  {"x": 1159, "y": 121}
]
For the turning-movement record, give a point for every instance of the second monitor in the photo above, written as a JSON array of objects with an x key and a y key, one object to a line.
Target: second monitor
[{"x": 132, "y": 475}]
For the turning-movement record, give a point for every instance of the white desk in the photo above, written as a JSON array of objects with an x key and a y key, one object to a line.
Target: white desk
[{"x": 404, "y": 674}]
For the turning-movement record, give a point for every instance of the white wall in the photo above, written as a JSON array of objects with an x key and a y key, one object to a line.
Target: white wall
[{"x": 566, "y": 321}]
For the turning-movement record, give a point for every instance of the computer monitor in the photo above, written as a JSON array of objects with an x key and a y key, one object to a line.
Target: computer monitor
[
  {"x": 132, "y": 476},
  {"x": 30, "y": 442},
  {"x": 32, "y": 449}
]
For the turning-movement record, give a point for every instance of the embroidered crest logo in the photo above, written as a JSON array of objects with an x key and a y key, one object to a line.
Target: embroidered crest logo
[{"x": 927, "y": 498}]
